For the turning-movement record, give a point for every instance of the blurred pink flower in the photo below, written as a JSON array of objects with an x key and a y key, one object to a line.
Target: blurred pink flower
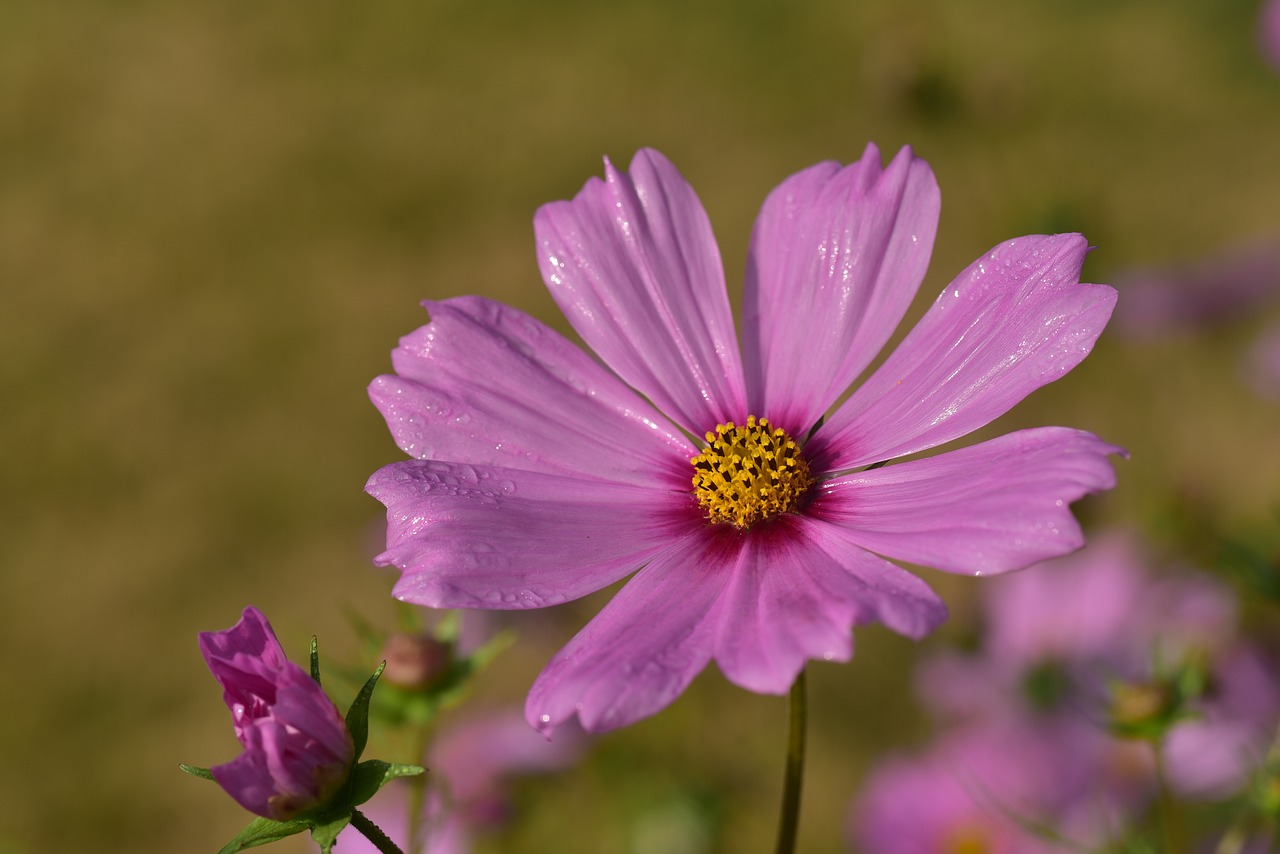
[
  {"x": 1262, "y": 367},
  {"x": 1212, "y": 755},
  {"x": 998, "y": 790},
  {"x": 1230, "y": 285},
  {"x": 297, "y": 751},
  {"x": 469, "y": 769},
  {"x": 1058, "y": 634},
  {"x": 1269, "y": 32},
  {"x": 1070, "y": 625},
  {"x": 541, "y": 477}
]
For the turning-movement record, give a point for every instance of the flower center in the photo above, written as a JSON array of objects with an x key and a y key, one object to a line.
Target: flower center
[
  {"x": 748, "y": 474},
  {"x": 967, "y": 839}
]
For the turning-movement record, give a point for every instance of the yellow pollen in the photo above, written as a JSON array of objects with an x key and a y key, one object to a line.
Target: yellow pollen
[{"x": 748, "y": 474}]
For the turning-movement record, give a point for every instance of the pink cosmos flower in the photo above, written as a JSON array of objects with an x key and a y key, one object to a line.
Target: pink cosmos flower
[
  {"x": 999, "y": 790},
  {"x": 297, "y": 751},
  {"x": 541, "y": 476},
  {"x": 1098, "y": 616}
]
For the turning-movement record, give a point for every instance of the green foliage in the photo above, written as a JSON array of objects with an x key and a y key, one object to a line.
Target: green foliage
[
  {"x": 263, "y": 831},
  {"x": 315, "y": 659},
  {"x": 358, "y": 714}
]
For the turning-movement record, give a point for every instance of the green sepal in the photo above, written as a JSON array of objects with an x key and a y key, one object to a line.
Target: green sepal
[
  {"x": 372, "y": 774},
  {"x": 262, "y": 831},
  {"x": 196, "y": 771},
  {"x": 325, "y": 833},
  {"x": 358, "y": 714},
  {"x": 315, "y": 659}
]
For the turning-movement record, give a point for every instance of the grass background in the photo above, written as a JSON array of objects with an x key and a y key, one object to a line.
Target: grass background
[{"x": 216, "y": 218}]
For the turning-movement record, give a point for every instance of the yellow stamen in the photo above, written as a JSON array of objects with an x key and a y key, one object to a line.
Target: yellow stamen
[{"x": 748, "y": 474}]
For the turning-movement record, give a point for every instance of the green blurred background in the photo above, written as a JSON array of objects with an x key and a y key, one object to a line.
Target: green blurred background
[{"x": 217, "y": 218}]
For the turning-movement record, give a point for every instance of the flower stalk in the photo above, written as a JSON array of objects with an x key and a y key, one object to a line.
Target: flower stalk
[
  {"x": 789, "y": 820},
  {"x": 374, "y": 833},
  {"x": 1171, "y": 828}
]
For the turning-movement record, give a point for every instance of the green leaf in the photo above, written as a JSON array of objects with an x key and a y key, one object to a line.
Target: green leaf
[
  {"x": 372, "y": 774},
  {"x": 358, "y": 714},
  {"x": 325, "y": 834},
  {"x": 196, "y": 771},
  {"x": 315, "y": 659},
  {"x": 262, "y": 831}
]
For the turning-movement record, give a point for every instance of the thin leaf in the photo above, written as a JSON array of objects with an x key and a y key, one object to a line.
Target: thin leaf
[
  {"x": 262, "y": 831},
  {"x": 315, "y": 659},
  {"x": 196, "y": 771},
  {"x": 358, "y": 714}
]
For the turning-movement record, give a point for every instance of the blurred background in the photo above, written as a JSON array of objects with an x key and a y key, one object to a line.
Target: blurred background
[{"x": 216, "y": 219}]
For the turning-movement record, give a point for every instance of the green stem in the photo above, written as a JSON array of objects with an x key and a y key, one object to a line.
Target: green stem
[
  {"x": 418, "y": 790},
  {"x": 374, "y": 833},
  {"x": 789, "y": 822},
  {"x": 1170, "y": 817}
]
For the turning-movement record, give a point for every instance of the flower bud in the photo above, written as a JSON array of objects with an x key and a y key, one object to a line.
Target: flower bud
[
  {"x": 414, "y": 661},
  {"x": 297, "y": 750}
]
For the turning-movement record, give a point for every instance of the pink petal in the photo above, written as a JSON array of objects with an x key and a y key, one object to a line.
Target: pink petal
[
  {"x": 483, "y": 537},
  {"x": 992, "y": 507},
  {"x": 248, "y": 781},
  {"x": 1086, "y": 607},
  {"x": 634, "y": 266},
  {"x": 1210, "y": 760},
  {"x": 836, "y": 257},
  {"x": 486, "y": 383},
  {"x": 246, "y": 659},
  {"x": 798, "y": 587},
  {"x": 1017, "y": 319},
  {"x": 639, "y": 653}
]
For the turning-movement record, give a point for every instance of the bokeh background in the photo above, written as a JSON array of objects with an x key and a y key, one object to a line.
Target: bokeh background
[{"x": 217, "y": 218}]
